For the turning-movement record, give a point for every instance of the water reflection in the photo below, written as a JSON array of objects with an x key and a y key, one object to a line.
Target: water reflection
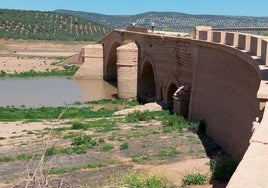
[{"x": 55, "y": 91}]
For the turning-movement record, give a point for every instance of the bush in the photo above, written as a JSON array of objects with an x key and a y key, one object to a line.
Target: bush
[
  {"x": 76, "y": 125},
  {"x": 223, "y": 168},
  {"x": 142, "y": 180},
  {"x": 177, "y": 122},
  {"x": 194, "y": 179},
  {"x": 51, "y": 151},
  {"x": 107, "y": 147},
  {"x": 124, "y": 146},
  {"x": 81, "y": 143},
  {"x": 139, "y": 116},
  {"x": 79, "y": 149}
]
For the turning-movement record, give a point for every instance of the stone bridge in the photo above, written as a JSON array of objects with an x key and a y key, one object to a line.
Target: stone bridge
[{"x": 219, "y": 77}]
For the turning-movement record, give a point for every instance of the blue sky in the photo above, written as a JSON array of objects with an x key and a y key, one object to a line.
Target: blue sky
[{"x": 130, "y": 7}]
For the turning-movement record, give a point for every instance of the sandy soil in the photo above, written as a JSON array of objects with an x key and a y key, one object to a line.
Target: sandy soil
[
  {"x": 22, "y": 56},
  {"x": 24, "y": 64}
]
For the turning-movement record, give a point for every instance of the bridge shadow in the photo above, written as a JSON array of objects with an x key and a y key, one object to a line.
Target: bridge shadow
[{"x": 222, "y": 165}]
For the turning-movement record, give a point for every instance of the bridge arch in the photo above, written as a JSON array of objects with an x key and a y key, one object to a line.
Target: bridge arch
[
  {"x": 110, "y": 67},
  {"x": 172, "y": 88},
  {"x": 147, "y": 82},
  {"x": 120, "y": 64}
]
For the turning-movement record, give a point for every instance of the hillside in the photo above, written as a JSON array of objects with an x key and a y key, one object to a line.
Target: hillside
[
  {"x": 171, "y": 21},
  {"x": 22, "y": 24}
]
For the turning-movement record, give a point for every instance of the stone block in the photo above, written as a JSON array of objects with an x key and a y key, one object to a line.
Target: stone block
[
  {"x": 203, "y": 35},
  {"x": 244, "y": 42},
  {"x": 231, "y": 39},
  {"x": 216, "y": 36},
  {"x": 255, "y": 45},
  {"x": 264, "y": 51}
]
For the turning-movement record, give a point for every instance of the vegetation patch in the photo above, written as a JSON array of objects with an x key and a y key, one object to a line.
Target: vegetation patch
[
  {"x": 194, "y": 179},
  {"x": 223, "y": 168},
  {"x": 106, "y": 147},
  {"x": 171, "y": 152},
  {"x": 16, "y": 114},
  {"x": 142, "y": 180},
  {"x": 67, "y": 71}
]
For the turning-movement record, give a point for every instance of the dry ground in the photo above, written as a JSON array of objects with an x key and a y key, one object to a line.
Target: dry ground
[
  {"x": 22, "y": 56},
  {"x": 150, "y": 149}
]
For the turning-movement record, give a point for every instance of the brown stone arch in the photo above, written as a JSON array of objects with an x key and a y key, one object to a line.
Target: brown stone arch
[
  {"x": 172, "y": 88},
  {"x": 147, "y": 82},
  {"x": 110, "y": 68}
]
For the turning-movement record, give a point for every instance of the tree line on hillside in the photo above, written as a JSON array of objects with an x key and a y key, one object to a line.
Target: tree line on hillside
[
  {"x": 171, "y": 21},
  {"x": 22, "y": 24}
]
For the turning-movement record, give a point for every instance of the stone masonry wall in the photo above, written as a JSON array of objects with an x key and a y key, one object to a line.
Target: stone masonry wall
[{"x": 224, "y": 81}]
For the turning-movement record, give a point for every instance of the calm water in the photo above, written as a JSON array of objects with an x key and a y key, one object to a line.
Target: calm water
[{"x": 56, "y": 91}]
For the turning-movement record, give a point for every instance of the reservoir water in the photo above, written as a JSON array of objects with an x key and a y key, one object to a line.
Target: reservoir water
[{"x": 53, "y": 91}]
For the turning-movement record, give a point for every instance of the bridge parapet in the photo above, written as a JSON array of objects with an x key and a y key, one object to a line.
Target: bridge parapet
[
  {"x": 252, "y": 170},
  {"x": 256, "y": 46}
]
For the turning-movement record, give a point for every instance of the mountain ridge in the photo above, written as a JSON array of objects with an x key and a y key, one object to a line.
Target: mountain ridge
[{"x": 170, "y": 21}]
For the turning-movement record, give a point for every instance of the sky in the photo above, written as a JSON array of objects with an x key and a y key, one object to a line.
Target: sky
[{"x": 131, "y": 7}]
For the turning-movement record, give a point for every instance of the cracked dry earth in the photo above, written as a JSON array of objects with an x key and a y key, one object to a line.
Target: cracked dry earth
[{"x": 150, "y": 149}]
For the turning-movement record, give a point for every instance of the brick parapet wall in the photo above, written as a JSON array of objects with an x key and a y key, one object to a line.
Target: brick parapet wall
[{"x": 252, "y": 169}]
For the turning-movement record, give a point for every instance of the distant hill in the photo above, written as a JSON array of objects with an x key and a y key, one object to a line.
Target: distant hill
[
  {"x": 171, "y": 21},
  {"x": 22, "y": 24}
]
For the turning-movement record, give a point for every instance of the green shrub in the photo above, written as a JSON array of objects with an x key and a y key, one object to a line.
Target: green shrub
[
  {"x": 194, "y": 179},
  {"x": 81, "y": 143},
  {"x": 94, "y": 165},
  {"x": 51, "y": 151},
  {"x": 79, "y": 149},
  {"x": 223, "y": 168},
  {"x": 81, "y": 140},
  {"x": 124, "y": 146},
  {"x": 24, "y": 156},
  {"x": 107, "y": 147},
  {"x": 139, "y": 116},
  {"x": 140, "y": 158},
  {"x": 172, "y": 152},
  {"x": 177, "y": 122},
  {"x": 142, "y": 180},
  {"x": 4, "y": 158},
  {"x": 77, "y": 125},
  {"x": 101, "y": 140}
]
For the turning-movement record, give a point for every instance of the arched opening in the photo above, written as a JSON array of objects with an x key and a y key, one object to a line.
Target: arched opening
[
  {"x": 111, "y": 71},
  {"x": 170, "y": 92},
  {"x": 147, "y": 90}
]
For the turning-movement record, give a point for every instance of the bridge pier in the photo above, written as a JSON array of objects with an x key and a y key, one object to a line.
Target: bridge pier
[
  {"x": 91, "y": 58},
  {"x": 181, "y": 99},
  {"x": 127, "y": 62}
]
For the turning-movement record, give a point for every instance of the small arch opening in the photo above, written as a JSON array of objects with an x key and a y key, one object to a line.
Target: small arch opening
[
  {"x": 170, "y": 92},
  {"x": 147, "y": 84}
]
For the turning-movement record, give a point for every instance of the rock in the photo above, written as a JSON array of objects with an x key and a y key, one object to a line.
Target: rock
[{"x": 141, "y": 108}]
